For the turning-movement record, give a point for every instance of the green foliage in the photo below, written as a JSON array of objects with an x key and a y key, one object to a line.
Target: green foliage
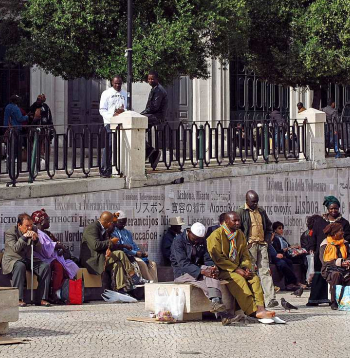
[{"x": 290, "y": 42}]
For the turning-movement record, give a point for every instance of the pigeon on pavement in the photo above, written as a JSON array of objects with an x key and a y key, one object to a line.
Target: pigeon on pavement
[
  {"x": 287, "y": 306},
  {"x": 298, "y": 292}
]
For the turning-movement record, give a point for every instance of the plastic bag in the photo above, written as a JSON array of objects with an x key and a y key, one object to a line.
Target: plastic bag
[
  {"x": 112, "y": 296},
  {"x": 310, "y": 268},
  {"x": 344, "y": 300},
  {"x": 177, "y": 303},
  {"x": 162, "y": 307}
]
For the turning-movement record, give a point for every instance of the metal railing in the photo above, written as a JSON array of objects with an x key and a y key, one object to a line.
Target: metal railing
[
  {"x": 199, "y": 145},
  {"x": 32, "y": 151}
]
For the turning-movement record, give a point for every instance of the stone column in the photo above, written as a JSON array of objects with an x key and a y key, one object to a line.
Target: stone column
[
  {"x": 315, "y": 141},
  {"x": 132, "y": 147}
]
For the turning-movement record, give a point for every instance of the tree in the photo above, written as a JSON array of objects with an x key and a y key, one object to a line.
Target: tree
[{"x": 87, "y": 38}]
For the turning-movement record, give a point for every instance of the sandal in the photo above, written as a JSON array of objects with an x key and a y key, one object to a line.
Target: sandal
[
  {"x": 22, "y": 304},
  {"x": 45, "y": 304}
]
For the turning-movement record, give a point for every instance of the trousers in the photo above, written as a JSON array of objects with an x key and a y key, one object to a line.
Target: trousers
[
  {"x": 41, "y": 270},
  {"x": 248, "y": 293},
  {"x": 148, "y": 271},
  {"x": 260, "y": 258},
  {"x": 209, "y": 286}
]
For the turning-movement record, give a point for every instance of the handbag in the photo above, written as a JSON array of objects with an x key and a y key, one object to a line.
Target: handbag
[
  {"x": 293, "y": 252},
  {"x": 342, "y": 296}
]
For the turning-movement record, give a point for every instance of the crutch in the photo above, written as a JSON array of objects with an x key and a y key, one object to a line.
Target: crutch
[{"x": 32, "y": 270}]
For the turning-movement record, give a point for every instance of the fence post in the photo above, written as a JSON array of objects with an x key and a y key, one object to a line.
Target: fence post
[
  {"x": 131, "y": 146},
  {"x": 315, "y": 139},
  {"x": 201, "y": 146}
]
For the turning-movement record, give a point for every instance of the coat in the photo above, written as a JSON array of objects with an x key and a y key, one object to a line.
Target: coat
[
  {"x": 17, "y": 247},
  {"x": 181, "y": 251},
  {"x": 167, "y": 242},
  {"x": 246, "y": 222},
  {"x": 318, "y": 236},
  {"x": 93, "y": 248},
  {"x": 157, "y": 103},
  {"x": 219, "y": 248}
]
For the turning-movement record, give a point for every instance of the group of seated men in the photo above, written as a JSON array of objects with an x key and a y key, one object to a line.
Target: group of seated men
[
  {"x": 107, "y": 249},
  {"x": 224, "y": 255}
]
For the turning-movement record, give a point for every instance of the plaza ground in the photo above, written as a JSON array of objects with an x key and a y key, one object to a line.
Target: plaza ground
[{"x": 99, "y": 329}]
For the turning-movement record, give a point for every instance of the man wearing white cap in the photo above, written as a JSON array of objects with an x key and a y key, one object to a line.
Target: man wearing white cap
[
  {"x": 168, "y": 238},
  {"x": 147, "y": 267},
  {"x": 192, "y": 263}
]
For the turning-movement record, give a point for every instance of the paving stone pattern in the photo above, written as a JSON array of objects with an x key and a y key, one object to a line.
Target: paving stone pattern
[{"x": 100, "y": 329}]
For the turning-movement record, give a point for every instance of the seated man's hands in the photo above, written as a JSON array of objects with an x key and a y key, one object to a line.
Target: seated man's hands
[
  {"x": 207, "y": 272},
  {"x": 144, "y": 254},
  {"x": 279, "y": 256},
  {"x": 108, "y": 253},
  {"x": 214, "y": 272},
  {"x": 128, "y": 247},
  {"x": 345, "y": 264},
  {"x": 31, "y": 235},
  {"x": 246, "y": 273},
  {"x": 114, "y": 240},
  {"x": 139, "y": 254}
]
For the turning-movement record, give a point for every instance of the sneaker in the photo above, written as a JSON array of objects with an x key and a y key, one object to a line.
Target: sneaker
[
  {"x": 272, "y": 303},
  {"x": 217, "y": 305}
]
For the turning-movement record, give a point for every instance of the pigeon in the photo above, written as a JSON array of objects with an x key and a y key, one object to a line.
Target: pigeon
[
  {"x": 298, "y": 292},
  {"x": 287, "y": 306}
]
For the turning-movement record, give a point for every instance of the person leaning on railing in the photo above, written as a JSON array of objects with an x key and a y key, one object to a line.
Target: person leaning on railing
[{"x": 13, "y": 118}]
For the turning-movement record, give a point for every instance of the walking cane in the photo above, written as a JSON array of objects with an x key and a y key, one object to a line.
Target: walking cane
[{"x": 32, "y": 270}]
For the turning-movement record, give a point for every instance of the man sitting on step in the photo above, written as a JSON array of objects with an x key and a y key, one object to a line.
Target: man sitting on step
[
  {"x": 227, "y": 247},
  {"x": 191, "y": 263}
]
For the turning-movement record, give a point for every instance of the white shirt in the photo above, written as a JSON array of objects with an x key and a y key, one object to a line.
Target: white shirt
[{"x": 110, "y": 101}]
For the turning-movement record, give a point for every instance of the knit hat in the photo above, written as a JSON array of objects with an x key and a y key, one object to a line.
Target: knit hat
[{"x": 198, "y": 229}]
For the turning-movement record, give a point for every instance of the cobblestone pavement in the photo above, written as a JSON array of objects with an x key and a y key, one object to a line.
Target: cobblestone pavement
[{"x": 101, "y": 330}]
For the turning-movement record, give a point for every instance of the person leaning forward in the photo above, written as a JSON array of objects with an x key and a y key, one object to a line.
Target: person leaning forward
[
  {"x": 191, "y": 263},
  {"x": 99, "y": 254},
  {"x": 17, "y": 258},
  {"x": 257, "y": 229},
  {"x": 228, "y": 249}
]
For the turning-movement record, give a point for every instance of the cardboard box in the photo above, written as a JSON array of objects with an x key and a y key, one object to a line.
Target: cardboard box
[{"x": 89, "y": 279}]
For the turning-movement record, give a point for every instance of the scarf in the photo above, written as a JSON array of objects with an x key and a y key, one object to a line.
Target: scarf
[
  {"x": 330, "y": 252},
  {"x": 232, "y": 238}
]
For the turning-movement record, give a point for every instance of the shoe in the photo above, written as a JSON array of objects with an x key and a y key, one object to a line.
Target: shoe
[
  {"x": 334, "y": 306},
  {"x": 149, "y": 152},
  {"x": 310, "y": 304},
  {"x": 277, "y": 289},
  {"x": 22, "y": 304},
  {"x": 217, "y": 305},
  {"x": 154, "y": 159},
  {"x": 106, "y": 174},
  {"x": 227, "y": 318},
  {"x": 272, "y": 303}
]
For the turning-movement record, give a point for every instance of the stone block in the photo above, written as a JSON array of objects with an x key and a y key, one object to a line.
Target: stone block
[
  {"x": 196, "y": 302},
  {"x": 8, "y": 304},
  {"x": 4, "y": 327}
]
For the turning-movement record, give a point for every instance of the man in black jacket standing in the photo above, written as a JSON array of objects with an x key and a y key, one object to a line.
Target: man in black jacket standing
[{"x": 155, "y": 110}]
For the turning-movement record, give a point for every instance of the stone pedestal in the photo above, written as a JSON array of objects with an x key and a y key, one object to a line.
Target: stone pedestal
[
  {"x": 132, "y": 146},
  {"x": 315, "y": 141},
  {"x": 195, "y": 301},
  {"x": 9, "y": 311}
]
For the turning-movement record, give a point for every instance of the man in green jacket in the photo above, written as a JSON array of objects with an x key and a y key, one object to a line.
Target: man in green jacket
[
  {"x": 257, "y": 229},
  {"x": 228, "y": 249},
  {"x": 99, "y": 254}
]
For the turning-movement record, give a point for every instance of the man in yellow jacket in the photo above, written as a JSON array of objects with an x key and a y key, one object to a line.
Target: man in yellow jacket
[{"x": 227, "y": 247}]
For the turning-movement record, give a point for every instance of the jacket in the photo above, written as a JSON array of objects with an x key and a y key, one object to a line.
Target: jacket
[
  {"x": 17, "y": 247},
  {"x": 219, "y": 248},
  {"x": 333, "y": 265},
  {"x": 12, "y": 111},
  {"x": 93, "y": 248},
  {"x": 167, "y": 242},
  {"x": 157, "y": 103},
  {"x": 246, "y": 222},
  {"x": 181, "y": 251},
  {"x": 276, "y": 243}
]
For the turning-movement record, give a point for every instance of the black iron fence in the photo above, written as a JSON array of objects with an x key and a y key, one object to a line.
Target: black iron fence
[
  {"x": 200, "y": 144},
  {"x": 28, "y": 152}
]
